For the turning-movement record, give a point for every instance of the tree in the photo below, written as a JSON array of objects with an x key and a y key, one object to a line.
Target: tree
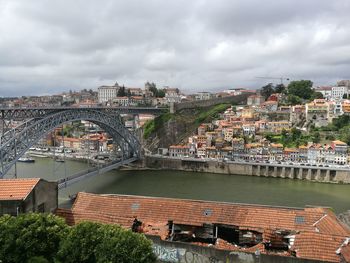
[
  {"x": 293, "y": 99},
  {"x": 317, "y": 95},
  {"x": 94, "y": 242},
  {"x": 301, "y": 88},
  {"x": 280, "y": 88},
  {"x": 267, "y": 90},
  {"x": 161, "y": 93},
  {"x": 345, "y": 134},
  {"x": 80, "y": 243},
  {"x": 121, "y": 92},
  {"x": 42, "y": 238},
  {"x": 126, "y": 246},
  {"x": 30, "y": 235},
  {"x": 316, "y": 138},
  {"x": 341, "y": 121}
]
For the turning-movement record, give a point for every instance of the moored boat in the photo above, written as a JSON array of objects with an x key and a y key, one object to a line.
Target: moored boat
[{"x": 26, "y": 159}]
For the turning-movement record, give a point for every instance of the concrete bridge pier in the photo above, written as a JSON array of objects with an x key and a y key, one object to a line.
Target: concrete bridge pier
[
  {"x": 283, "y": 173},
  {"x": 308, "y": 176},
  {"x": 291, "y": 175},
  {"x": 318, "y": 175},
  {"x": 259, "y": 171},
  {"x": 300, "y": 174},
  {"x": 275, "y": 172},
  {"x": 328, "y": 176},
  {"x": 266, "y": 173}
]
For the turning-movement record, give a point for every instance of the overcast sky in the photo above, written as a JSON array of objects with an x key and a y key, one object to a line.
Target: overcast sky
[{"x": 52, "y": 46}]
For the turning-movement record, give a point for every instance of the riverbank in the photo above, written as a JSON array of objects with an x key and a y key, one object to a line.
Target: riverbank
[
  {"x": 292, "y": 171},
  {"x": 61, "y": 156},
  {"x": 191, "y": 185}
]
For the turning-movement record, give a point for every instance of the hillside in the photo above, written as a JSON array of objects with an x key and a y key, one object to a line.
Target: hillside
[{"x": 168, "y": 129}]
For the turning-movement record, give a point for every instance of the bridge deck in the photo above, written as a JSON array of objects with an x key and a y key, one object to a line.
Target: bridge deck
[{"x": 65, "y": 182}]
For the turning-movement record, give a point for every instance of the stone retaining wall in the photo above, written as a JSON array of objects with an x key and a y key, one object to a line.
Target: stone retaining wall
[{"x": 268, "y": 170}]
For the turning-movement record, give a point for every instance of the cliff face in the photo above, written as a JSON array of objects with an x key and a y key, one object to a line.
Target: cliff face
[
  {"x": 173, "y": 131},
  {"x": 170, "y": 129}
]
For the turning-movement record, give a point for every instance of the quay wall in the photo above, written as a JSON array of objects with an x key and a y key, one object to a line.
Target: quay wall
[
  {"x": 327, "y": 175},
  {"x": 179, "y": 252}
]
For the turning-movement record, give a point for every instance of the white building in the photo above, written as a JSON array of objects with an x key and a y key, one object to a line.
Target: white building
[
  {"x": 339, "y": 92},
  {"x": 326, "y": 91},
  {"x": 333, "y": 93},
  {"x": 107, "y": 93},
  {"x": 122, "y": 101}
]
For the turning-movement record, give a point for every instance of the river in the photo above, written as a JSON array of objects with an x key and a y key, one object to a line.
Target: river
[{"x": 190, "y": 185}]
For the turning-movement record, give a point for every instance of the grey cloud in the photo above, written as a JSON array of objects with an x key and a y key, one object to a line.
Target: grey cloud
[{"x": 51, "y": 46}]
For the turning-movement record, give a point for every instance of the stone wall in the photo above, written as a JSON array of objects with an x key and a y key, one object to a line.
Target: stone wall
[
  {"x": 268, "y": 170},
  {"x": 208, "y": 103},
  {"x": 179, "y": 252}
]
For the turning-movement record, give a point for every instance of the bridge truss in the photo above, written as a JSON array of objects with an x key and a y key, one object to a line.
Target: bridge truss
[{"x": 36, "y": 123}]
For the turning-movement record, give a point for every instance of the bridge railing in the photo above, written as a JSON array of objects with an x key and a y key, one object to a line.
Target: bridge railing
[{"x": 65, "y": 182}]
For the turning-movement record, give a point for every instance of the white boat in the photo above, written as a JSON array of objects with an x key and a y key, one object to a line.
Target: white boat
[
  {"x": 26, "y": 159},
  {"x": 60, "y": 160}
]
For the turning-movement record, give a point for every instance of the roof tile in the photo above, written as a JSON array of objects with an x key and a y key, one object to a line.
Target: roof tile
[{"x": 16, "y": 189}]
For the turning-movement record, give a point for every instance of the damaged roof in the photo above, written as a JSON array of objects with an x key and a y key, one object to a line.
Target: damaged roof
[{"x": 308, "y": 224}]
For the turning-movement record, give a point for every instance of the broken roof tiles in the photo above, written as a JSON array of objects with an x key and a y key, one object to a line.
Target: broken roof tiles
[{"x": 318, "y": 232}]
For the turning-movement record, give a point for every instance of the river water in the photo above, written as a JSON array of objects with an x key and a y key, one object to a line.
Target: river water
[{"x": 190, "y": 185}]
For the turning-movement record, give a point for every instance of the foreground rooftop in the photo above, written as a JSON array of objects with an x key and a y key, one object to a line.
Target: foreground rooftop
[
  {"x": 17, "y": 189},
  {"x": 310, "y": 233}
]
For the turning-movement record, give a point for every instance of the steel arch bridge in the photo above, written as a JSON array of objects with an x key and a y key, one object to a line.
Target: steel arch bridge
[{"x": 15, "y": 142}]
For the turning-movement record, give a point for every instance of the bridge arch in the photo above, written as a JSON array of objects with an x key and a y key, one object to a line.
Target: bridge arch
[{"x": 17, "y": 141}]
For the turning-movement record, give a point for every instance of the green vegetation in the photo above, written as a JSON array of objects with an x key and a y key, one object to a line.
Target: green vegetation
[
  {"x": 158, "y": 93},
  {"x": 339, "y": 129},
  {"x": 122, "y": 92},
  {"x": 47, "y": 238},
  {"x": 301, "y": 88},
  {"x": 293, "y": 138},
  {"x": 192, "y": 120},
  {"x": 212, "y": 113},
  {"x": 153, "y": 125},
  {"x": 269, "y": 89},
  {"x": 296, "y": 92}
]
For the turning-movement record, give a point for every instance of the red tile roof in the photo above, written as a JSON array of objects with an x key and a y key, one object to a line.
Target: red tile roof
[
  {"x": 345, "y": 252},
  {"x": 317, "y": 246},
  {"x": 16, "y": 189},
  {"x": 306, "y": 224},
  {"x": 193, "y": 212}
]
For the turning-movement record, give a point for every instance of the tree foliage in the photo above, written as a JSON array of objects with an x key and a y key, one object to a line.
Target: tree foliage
[
  {"x": 280, "y": 88},
  {"x": 121, "y": 92},
  {"x": 301, "y": 88},
  {"x": 46, "y": 238},
  {"x": 292, "y": 138},
  {"x": 30, "y": 235},
  {"x": 267, "y": 90},
  {"x": 345, "y": 134},
  {"x": 293, "y": 99},
  {"x": 158, "y": 93},
  {"x": 317, "y": 95},
  {"x": 92, "y": 242}
]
